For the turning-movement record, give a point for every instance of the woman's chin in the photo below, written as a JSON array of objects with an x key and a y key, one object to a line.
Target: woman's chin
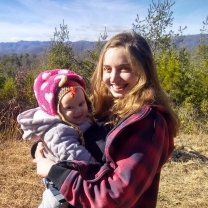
[{"x": 117, "y": 94}]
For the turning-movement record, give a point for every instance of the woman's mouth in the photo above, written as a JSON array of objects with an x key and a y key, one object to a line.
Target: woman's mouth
[{"x": 118, "y": 88}]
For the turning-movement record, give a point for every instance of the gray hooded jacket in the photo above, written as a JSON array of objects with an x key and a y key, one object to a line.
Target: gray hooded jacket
[{"x": 61, "y": 140}]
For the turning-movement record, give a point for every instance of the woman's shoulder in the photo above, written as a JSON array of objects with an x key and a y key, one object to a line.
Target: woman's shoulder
[
  {"x": 151, "y": 109},
  {"x": 145, "y": 115}
]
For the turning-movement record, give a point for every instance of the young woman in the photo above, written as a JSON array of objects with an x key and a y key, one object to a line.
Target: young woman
[{"x": 127, "y": 97}]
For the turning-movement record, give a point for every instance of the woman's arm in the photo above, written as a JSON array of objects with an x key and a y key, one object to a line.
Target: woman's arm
[{"x": 131, "y": 170}]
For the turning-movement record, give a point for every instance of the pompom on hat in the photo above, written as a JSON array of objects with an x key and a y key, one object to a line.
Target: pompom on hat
[{"x": 48, "y": 82}]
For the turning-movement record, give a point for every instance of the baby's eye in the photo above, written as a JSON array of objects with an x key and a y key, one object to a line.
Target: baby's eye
[
  {"x": 82, "y": 103},
  {"x": 69, "y": 108}
]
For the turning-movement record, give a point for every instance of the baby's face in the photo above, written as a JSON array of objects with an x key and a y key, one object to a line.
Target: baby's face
[{"x": 74, "y": 108}]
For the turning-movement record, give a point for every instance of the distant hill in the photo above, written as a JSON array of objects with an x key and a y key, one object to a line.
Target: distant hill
[
  {"x": 38, "y": 47},
  {"x": 31, "y": 47},
  {"x": 191, "y": 41}
]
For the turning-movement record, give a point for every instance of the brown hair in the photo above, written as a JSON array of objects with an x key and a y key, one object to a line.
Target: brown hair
[{"x": 146, "y": 91}]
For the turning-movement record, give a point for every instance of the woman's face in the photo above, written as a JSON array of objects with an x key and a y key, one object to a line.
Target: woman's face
[{"x": 117, "y": 74}]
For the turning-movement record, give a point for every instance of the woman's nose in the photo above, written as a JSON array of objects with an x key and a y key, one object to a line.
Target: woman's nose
[{"x": 114, "y": 76}]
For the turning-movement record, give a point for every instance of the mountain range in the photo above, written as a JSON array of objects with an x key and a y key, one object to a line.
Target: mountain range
[{"x": 38, "y": 47}]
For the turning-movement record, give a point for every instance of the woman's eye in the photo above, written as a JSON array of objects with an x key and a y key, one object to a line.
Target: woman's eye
[
  {"x": 126, "y": 69},
  {"x": 107, "y": 69}
]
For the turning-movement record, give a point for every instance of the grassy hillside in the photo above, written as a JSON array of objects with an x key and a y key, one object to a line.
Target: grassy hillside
[{"x": 183, "y": 184}]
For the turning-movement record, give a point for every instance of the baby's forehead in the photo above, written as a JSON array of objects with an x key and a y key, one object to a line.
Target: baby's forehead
[
  {"x": 75, "y": 82},
  {"x": 70, "y": 98},
  {"x": 69, "y": 87}
]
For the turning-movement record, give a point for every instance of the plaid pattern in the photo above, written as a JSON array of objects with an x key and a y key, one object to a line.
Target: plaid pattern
[{"x": 135, "y": 152}]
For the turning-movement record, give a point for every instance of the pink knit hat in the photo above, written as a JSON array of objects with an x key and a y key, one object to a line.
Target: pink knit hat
[{"x": 47, "y": 83}]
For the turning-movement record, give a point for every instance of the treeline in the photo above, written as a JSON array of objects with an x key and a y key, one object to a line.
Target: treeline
[{"x": 182, "y": 73}]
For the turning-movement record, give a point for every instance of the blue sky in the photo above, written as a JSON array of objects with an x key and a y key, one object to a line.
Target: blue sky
[{"x": 36, "y": 19}]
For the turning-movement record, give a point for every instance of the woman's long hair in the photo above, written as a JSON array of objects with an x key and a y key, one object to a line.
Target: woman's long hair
[{"x": 146, "y": 91}]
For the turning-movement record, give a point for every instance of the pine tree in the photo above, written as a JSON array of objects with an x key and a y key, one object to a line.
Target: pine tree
[{"x": 60, "y": 53}]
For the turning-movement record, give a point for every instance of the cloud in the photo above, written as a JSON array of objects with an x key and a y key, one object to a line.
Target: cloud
[
  {"x": 37, "y": 19},
  {"x": 20, "y": 32}
]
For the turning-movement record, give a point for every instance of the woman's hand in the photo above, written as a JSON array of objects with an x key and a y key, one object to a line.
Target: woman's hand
[{"x": 43, "y": 164}]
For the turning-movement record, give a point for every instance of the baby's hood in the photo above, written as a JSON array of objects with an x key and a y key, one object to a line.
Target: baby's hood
[{"x": 35, "y": 122}]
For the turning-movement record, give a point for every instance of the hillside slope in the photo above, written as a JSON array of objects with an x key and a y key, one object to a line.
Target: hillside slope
[{"x": 38, "y": 47}]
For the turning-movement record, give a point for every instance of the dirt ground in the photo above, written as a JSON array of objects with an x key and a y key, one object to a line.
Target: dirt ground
[{"x": 184, "y": 179}]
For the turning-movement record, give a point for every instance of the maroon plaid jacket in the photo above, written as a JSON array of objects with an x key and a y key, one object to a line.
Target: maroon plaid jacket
[{"x": 135, "y": 151}]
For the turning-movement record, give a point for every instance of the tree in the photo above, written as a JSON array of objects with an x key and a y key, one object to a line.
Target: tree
[
  {"x": 87, "y": 66},
  {"x": 205, "y": 26},
  {"x": 92, "y": 56},
  {"x": 2, "y": 78},
  {"x": 154, "y": 27},
  {"x": 60, "y": 53}
]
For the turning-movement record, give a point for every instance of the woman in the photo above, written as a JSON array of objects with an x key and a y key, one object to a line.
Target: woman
[{"x": 127, "y": 96}]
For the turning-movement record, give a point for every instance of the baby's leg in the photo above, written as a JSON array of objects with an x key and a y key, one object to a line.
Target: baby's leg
[{"x": 49, "y": 201}]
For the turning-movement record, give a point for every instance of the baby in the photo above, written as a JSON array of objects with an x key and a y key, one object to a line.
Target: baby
[{"x": 64, "y": 113}]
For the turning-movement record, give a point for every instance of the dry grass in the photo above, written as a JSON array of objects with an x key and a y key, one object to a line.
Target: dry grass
[
  {"x": 20, "y": 187},
  {"x": 183, "y": 184}
]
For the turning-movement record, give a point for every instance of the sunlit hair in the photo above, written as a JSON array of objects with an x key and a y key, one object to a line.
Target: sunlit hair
[{"x": 147, "y": 89}]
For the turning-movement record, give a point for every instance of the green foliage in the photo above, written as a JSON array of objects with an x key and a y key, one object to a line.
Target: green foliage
[
  {"x": 2, "y": 78},
  {"x": 200, "y": 62},
  {"x": 153, "y": 27},
  {"x": 184, "y": 85},
  {"x": 10, "y": 65},
  {"x": 175, "y": 73},
  {"x": 19, "y": 88},
  {"x": 182, "y": 73},
  {"x": 87, "y": 66},
  {"x": 205, "y": 26},
  {"x": 60, "y": 36},
  {"x": 195, "y": 89},
  {"x": 17, "y": 77},
  {"x": 60, "y": 54},
  {"x": 9, "y": 89},
  {"x": 204, "y": 107},
  {"x": 24, "y": 82},
  {"x": 169, "y": 72},
  {"x": 188, "y": 116}
]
